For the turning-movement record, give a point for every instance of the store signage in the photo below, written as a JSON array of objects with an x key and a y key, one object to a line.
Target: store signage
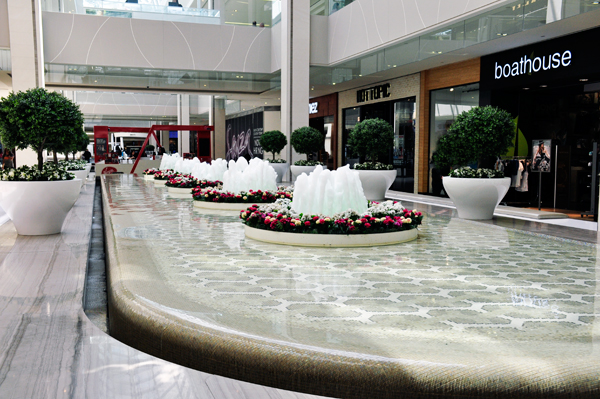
[
  {"x": 313, "y": 108},
  {"x": 373, "y": 93},
  {"x": 526, "y": 65}
]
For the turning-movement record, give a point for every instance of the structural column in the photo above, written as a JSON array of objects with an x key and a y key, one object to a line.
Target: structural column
[
  {"x": 295, "y": 58},
  {"x": 27, "y": 55},
  {"x": 217, "y": 119},
  {"x": 183, "y": 118}
]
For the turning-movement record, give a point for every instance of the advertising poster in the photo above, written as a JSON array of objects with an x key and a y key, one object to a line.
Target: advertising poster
[
  {"x": 541, "y": 161},
  {"x": 243, "y": 136}
]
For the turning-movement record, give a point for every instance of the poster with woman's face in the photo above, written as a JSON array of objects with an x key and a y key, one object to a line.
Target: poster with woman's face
[{"x": 541, "y": 155}]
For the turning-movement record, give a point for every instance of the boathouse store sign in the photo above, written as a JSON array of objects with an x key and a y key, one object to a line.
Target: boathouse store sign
[
  {"x": 563, "y": 60},
  {"x": 527, "y": 66}
]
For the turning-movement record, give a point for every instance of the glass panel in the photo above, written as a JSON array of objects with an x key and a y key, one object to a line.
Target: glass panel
[
  {"x": 404, "y": 145},
  {"x": 534, "y": 13},
  {"x": 446, "y": 105},
  {"x": 351, "y": 117},
  {"x": 444, "y": 41},
  {"x": 576, "y": 7},
  {"x": 400, "y": 54},
  {"x": 500, "y": 22}
]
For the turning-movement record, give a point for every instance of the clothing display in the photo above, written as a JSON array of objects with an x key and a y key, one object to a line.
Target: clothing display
[{"x": 517, "y": 170}]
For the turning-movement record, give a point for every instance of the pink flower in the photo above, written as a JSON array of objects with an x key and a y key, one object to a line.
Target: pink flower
[
  {"x": 367, "y": 225},
  {"x": 307, "y": 223}
]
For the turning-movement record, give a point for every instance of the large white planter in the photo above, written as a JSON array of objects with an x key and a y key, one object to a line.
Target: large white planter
[
  {"x": 38, "y": 207},
  {"x": 221, "y": 206},
  {"x": 330, "y": 240},
  {"x": 298, "y": 170},
  {"x": 160, "y": 183},
  {"x": 476, "y": 199},
  {"x": 80, "y": 174},
  {"x": 149, "y": 177},
  {"x": 177, "y": 192},
  {"x": 88, "y": 168},
  {"x": 375, "y": 183},
  {"x": 281, "y": 169}
]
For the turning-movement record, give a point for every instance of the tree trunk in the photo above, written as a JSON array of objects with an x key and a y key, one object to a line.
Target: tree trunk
[
  {"x": 55, "y": 156},
  {"x": 66, "y": 156},
  {"x": 40, "y": 154}
]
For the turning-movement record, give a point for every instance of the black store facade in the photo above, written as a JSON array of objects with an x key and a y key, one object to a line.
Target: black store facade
[
  {"x": 552, "y": 89},
  {"x": 394, "y": 101}
]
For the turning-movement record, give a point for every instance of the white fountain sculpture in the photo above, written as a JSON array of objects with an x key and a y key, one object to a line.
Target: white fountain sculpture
[
  {"x": 169, "y": 161},
  {"x": 244, "y": 176},
  {"x": 326, "y": 192},
  {"x": 212, "y": 172}
]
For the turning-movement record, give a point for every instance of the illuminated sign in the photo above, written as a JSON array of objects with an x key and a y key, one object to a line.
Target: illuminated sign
[
  {"x": 526, "y": 66},
  {"x": 313, "y": 108}
]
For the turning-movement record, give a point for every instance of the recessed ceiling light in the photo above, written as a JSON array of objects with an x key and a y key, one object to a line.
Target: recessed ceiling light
[
  {"x": 583, "y": 80},
  {"x": 543, "y": 85},
  {"x": 334, "y": 83},
  {"x": 525, "y": 88},
  {"x": 452, "y": 89}
]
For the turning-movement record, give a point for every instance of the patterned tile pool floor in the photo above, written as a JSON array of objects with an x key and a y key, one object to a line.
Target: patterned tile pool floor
[{"x": 464, "y": 291}]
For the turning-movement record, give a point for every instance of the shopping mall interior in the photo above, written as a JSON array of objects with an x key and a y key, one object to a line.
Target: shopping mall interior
[{"x": 142, "y": 295}]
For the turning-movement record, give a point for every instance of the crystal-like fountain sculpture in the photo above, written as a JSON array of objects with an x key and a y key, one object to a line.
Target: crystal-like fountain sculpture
[
  {"x": 244, "y": 176},
  {"x": 326, "y": 192},
  {"x": 211, "y": 172}
]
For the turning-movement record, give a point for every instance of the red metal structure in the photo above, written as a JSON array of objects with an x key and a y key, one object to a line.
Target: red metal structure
[{"x": 101, "y": 141}]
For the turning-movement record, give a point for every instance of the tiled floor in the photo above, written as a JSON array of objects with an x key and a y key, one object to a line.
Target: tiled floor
[{"x": 509, "y": 300}]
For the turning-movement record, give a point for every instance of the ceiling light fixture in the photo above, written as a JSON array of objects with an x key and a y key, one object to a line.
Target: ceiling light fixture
[{"x": 583, "y": 80}]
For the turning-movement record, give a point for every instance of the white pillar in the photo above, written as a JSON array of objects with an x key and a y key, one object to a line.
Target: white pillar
[
  {"x": 27, "y": 55},
  {"x": 295, "y": 57},
  {"x": 183, "y": 118},
  {"x": 218, "y": 121}
]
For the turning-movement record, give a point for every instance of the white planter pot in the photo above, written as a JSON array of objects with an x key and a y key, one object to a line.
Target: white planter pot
[
  {"x": 298, "y": 170},
  {"x": 330, "y": 240},
  {"x": 149, "y": 177},
  {"x": 281, "y": 169},
  {"x": 88, "y": 167},
  {"x": 476, "y": 199},
  {"x": 222, "y": 206},
  {"x": 80, "y": 174},
  {"x": 38, "y": 207},
  {"x": 160, "y": 183},
  {"x": 376, "y": 182}
]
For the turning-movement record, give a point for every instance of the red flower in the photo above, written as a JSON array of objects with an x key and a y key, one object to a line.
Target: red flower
[{"x": 307, "y": 223}]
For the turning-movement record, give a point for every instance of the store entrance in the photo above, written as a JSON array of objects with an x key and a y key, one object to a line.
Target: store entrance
[{"x": 570, "y": 117}]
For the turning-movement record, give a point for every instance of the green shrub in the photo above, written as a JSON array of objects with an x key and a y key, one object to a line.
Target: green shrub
[
  {"x": 39, "y": 119},
  {"x": 307, "y": 140},
  {"x": 273, "y": 141},
  {"x": 149, "y": 147},
  {"x": 372, "y": 139},
  {"x": 478, "y": 134}
]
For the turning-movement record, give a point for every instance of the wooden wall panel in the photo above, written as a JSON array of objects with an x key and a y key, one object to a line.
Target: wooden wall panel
[{"x": 457, "y": 74}]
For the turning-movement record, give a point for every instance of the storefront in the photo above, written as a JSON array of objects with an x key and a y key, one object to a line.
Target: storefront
[
  {"x": 394, "y": 101},
  {"x": 322, "y": 114},
  {"x": 445, "y": 93},
  {"x": 243, "y": 131},
  {"x": 552, "y": 90}
]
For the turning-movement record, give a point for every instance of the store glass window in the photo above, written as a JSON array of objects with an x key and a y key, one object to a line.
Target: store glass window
[
  {"x": 446, "y": 104},
  {"x": 351, "y": 117},
  {"x": 404, "y": 144}
]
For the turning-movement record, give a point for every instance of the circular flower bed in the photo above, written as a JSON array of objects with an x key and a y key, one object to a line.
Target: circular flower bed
[
  {"x": 72, "y": 165},
  {"x": 49, "y": 172},
  {"x": 258, "y": 196},
  {"x": 386, "y": 217},
  {"x": 165, "y": 174},
  {"x": 150, "y": 171}
]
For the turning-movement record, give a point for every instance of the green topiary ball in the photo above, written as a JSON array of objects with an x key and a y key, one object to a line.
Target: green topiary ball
[
  {"x": 273, "y": 141},
  {"x": 307, "y": 140},
  {"x": 372, "y": 139},
  {"x": 478, "y": 134}
]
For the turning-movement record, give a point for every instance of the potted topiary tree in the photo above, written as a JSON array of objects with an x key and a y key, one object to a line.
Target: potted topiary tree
[
  {"x": 306, "y": 140},
  {"x": 273, "y": 141},
  {"x": 38, "y": 198},
  {"x": 372, "y": 140},
  {"x": 479, "y": 135}
]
